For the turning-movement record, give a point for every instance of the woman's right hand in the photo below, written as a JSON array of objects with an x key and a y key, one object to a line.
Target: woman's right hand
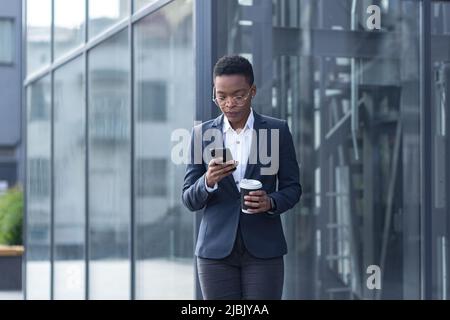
[{"x": 217, "y": 170}]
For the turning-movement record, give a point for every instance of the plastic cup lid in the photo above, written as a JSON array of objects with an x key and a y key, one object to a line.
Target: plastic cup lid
[{"x": 250, "y": 184}]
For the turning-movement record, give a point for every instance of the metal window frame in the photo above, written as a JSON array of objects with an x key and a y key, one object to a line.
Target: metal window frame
[
  {"x": 94, "y": 41},
  {"x": 82, "y": 52}
]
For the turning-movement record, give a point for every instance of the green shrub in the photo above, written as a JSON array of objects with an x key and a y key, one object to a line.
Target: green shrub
[{"x": 11, "y": 217}]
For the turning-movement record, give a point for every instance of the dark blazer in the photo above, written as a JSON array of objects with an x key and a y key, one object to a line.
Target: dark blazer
[{"x": 262, "y": 233}]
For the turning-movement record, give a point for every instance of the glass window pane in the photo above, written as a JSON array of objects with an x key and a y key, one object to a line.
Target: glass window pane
[
  {"x": 38, "y": 189},
  {"x": 69, "y": 25},
  {"x": 164, "y": 227},
  {"x": 39, "y": 13},
  {"x": 105, "y": 13},
  {"x": 138, "y": 4},
  {"x": 69, "y": 179},
  {"x": 109, "y": 168},
  {"x": 6, "y": 40}
]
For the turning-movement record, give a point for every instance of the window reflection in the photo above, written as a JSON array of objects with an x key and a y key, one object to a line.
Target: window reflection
[
  {"x": 7, "y": 41},
  {"x": 344, "y": 93},
  {"x": 38, "y": 33},
  {"x": 139, "y": 4},
  {"x": 69, "y": 179},
  {"x": 440, "y": 58},
  {"x": 38, "y": 190},
  {"x": 164, "y": 229},
  {"x": 109, "y": 169},
  {"x": 69, "y": 25},
  {"x": 105, "y": 13}
]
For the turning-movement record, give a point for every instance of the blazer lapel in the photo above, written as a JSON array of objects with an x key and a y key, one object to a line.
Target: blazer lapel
[
  {"x": 228, "y": 180},
  {"x": 253, "y": 161}
]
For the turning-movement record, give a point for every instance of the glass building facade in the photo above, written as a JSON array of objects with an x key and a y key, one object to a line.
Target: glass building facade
[{"x": 362, "y": 84}]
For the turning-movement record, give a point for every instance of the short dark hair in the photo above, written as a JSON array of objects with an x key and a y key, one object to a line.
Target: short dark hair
[{"x": 234, "y": 64}]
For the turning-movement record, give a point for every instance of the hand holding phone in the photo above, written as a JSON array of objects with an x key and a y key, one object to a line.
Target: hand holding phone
[
  {"x": 220, "y": 166},
  {"x": 223, "y": 153}
]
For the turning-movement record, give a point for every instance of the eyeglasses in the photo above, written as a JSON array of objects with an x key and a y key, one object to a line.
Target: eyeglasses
[{"x": 237, "y": 100}]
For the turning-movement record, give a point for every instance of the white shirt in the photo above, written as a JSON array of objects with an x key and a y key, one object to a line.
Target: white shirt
[{"x": 239, "y": 145}]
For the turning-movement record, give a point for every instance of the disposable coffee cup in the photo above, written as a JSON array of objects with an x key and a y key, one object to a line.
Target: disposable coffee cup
[{"x": 248, "y": 185}]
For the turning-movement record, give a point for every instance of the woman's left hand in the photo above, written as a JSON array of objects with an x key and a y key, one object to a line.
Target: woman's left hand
[{"x": 258, "y": 201}]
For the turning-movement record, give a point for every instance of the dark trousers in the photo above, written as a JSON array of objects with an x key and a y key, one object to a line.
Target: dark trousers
[{"x": 241, "y": 276}]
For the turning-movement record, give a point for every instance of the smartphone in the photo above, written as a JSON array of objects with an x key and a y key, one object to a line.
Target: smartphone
[{"x": 224, "y": 153}]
